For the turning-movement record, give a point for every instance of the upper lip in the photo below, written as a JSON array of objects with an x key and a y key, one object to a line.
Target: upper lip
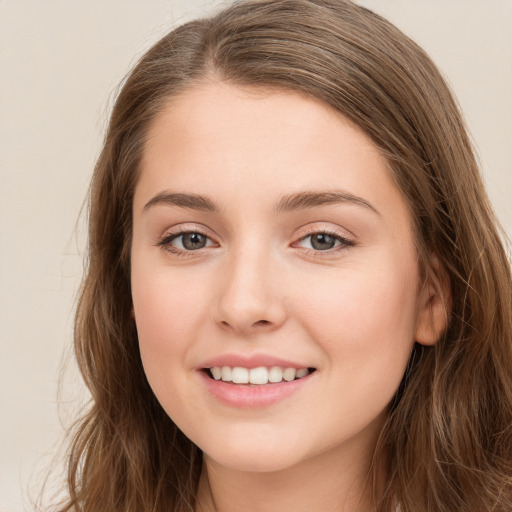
[{"x": 251, "y": 361}]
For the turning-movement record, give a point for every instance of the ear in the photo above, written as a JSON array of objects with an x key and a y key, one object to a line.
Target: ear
[{"x": 435, "y": 304}]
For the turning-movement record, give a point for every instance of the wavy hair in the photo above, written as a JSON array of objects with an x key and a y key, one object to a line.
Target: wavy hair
[{"x": 448, "y": 438}]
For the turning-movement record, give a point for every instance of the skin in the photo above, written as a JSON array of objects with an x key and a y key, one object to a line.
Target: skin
[{"x": 259, "y": 286}]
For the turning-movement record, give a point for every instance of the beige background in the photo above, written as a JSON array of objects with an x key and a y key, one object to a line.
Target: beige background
[{"x": 60, "y": 61}]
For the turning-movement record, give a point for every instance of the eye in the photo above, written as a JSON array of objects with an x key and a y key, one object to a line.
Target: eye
[
  {"x": 185, "y": 241},
  {"x": 324, "y": 242},
  {"x": 191, "y": 241}
]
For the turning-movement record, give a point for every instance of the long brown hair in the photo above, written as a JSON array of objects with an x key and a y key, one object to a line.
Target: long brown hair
[{"x": 448, "y": 438}]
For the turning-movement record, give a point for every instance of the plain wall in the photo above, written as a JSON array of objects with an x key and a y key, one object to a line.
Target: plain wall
[{"x": 60, "y": 61}]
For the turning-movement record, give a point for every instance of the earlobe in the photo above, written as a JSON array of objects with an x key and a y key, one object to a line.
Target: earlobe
[{"x": 435, "y": 304}]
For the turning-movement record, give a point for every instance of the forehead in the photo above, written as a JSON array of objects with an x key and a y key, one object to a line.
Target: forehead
[
  {"x": 259, "y": 143},
  {"x": 223, "y": 117}
]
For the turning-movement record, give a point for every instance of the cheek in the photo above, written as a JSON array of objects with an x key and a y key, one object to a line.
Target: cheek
[
  {"x": 168, "y": 319},
  {"x": 364, "y": 317},
  {"x": 365, "y": 327},
  {"x": 166, "y": 313}
]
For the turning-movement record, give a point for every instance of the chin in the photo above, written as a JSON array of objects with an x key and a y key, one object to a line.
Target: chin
[
  {"x": 252, "y": 461},
  {"x": 258, "y": 454}
]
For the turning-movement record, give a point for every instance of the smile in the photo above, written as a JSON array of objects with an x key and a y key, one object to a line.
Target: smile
[{"x": 258, "y": 376}]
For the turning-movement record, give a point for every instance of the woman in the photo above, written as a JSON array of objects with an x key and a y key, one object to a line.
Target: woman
[{"x": 297, "y": 296}]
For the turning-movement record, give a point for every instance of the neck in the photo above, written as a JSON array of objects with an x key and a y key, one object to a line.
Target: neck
[{"x": 331, "y": 482}]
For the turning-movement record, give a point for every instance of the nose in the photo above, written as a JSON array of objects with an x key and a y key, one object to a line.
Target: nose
[{"x": 250, "y": 297}]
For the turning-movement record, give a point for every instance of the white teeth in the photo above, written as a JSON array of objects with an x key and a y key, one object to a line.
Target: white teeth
[
  {"x": 289, "y": 374},
  {"x": 216, "y": 372},
  {"x": 260, "y": 375},
  {"x": 240, "y": 375},
  {"x": 275, "y": 374},
  {"x": 226, "y": 373},
  {"x": 301, "y": 373}
]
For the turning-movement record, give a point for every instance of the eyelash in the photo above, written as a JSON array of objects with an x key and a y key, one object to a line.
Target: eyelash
[{"x": 344, "y": 242}]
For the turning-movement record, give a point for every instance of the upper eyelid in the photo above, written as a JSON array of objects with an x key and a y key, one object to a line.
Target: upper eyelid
[
  {"x": 312, "y": 228},
  {"x": 187, "y": 228},
  {"x": 181, "y": 232}
]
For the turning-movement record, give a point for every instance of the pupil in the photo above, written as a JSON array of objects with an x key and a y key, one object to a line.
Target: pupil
[
  {"x": 193, "y": 241},
  {"x": 322, "y": 242}
]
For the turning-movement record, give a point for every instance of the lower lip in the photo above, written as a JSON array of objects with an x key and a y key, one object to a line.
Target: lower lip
[{"x": 252, "y": 395}]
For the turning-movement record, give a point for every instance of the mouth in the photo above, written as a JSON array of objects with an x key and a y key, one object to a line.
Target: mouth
[{"x": 260, "y": 376}]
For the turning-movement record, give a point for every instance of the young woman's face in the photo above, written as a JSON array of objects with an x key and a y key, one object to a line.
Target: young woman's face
[{"x": 268, "y": 235}]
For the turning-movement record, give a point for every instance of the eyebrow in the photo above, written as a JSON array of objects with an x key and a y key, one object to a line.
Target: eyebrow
[
  {"x": 313, "y": 199},
  {"x": 190, "y": 201},
  {"x": 292, "y": 202}
]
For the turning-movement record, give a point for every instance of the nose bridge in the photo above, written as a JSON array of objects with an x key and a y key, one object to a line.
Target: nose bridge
[{"x": 249, "y": 297}]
